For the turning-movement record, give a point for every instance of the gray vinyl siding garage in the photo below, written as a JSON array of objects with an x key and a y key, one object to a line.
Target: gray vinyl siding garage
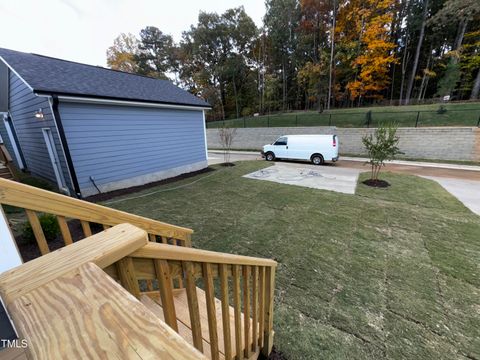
[
  {"x": 99, "y": 129},
  {"x": 122, "y": 146}
]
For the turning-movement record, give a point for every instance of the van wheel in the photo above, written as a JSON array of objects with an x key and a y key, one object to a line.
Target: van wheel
[
  {"x": 269, "y": 156},
  {"x": 317, "y": 159}
]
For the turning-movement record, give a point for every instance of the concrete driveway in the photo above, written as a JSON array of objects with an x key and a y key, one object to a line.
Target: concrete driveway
[{"x": 467, "y": 191}]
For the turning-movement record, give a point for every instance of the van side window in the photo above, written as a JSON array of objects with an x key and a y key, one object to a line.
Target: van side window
[{"x": 281, "y": 141}]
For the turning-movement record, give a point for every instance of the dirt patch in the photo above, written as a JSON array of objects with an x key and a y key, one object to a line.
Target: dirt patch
[
  {"x": 228, "y": 164},
  {"x": 376, "y": 183},
  {"x": 274, "y": 355},
  {"x": 112, "y": 194}
]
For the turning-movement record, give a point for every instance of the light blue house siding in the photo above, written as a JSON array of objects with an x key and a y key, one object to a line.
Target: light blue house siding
[
  {"x": 122, "y": 146},
  {"x": 23, "y": 105}
]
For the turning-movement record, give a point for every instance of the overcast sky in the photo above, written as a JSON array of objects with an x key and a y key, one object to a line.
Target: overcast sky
[{"x": 82, "y": 30}]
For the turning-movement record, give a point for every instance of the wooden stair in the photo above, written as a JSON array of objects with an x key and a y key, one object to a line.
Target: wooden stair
[
  {"x": 5, "y": 172},
  {"x": 153, "y": 302},
  {"x": 6, "y": 164}
]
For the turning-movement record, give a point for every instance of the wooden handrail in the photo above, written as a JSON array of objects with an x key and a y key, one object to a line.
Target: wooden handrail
[
  {"x": 34, "y": 199},
  {"x": 103, "y": 249},
  {"x": 161, "y": 251}
]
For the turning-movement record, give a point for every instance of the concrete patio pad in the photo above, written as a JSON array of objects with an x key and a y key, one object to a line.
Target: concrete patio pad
[{"x": 328, "y": 177}]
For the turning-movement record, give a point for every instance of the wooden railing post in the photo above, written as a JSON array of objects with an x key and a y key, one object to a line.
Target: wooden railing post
[
  {"x": 126, "y": 272},
  {"x": 268, "y": 320},
  {"x": 188, "y": 240}
]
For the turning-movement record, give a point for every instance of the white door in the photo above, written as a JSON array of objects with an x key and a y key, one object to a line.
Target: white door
[{"x": 52, "y": 152}]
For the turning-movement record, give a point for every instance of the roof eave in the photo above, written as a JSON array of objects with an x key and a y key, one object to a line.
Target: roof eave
[{"x": 85, "y": 98}]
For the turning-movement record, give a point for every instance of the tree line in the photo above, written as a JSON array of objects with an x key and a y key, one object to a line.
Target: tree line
[{"x": 316, "y": 54}]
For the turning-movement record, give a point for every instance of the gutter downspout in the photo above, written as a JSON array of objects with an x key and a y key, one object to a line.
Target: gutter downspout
[{"x": 66, "y": 150}]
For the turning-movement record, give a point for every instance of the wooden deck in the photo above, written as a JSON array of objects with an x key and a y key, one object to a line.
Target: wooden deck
[
  {"x": 132, "y": 290},
  {"x": 85, "y": 314},
  {"x": 67, "y": 307}
]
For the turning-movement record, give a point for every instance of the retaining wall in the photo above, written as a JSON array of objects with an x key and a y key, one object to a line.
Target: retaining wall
[{"x": 442, "y": 143}]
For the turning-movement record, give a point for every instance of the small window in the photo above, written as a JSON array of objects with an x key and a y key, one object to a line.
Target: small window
[{"x": 281, "y": 141}]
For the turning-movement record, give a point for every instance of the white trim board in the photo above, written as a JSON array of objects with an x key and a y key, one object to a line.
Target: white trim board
[
  {"x": 88, "y": 100},
  {"x": 54, "y": 159},
  {"x": 9, "y": 255},
  {"x": 16, "y": 73}
]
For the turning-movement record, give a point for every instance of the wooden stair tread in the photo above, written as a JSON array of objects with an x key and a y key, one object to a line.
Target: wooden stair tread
[
  {"x": 184, "y": 331},
  {"x": 152, "y": 301}
]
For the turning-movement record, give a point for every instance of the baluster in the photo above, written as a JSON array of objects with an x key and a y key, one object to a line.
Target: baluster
[
  {"x": 237, "y": 306},
  {"x": 193, "y": 305},
  {"x": 268, "y": 322},
  {"x": 254, "y": 308},
  {"x": 211, "y": 312},
  {"x": 246, "y": 310},
  {"x": 225, "y": 310},
  {"x": 62, "y": 223},
  {"x": 162, "y": 271},
  {"x": 261, "y": 304},
  {"x": 37, "y": 231},
  {"x": 86, "y": 228}
]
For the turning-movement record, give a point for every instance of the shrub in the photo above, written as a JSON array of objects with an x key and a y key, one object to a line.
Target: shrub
[
  {"x": 49, "y": 225},
  {"x": 381, "y": 146},
  {"x": 441, "y": 110},
  {"x": 226, "y": 136}
]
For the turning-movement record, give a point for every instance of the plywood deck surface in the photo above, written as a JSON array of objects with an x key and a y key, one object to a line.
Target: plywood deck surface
[{"x": 85, "y": 314}]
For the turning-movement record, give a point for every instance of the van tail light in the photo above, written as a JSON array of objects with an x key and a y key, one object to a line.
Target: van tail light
[{"x": 334, "y": 141}]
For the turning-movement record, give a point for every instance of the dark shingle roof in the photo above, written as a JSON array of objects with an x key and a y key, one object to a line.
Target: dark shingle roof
[{"x": 49, "y": 75}]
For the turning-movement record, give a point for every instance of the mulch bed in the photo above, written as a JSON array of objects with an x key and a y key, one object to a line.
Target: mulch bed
[
  {"x": 30, "y": 251},
  {"x": 376, "y": 183},
  {"x": 274, "y": 355},
  {"x": 112, "y": 194}
]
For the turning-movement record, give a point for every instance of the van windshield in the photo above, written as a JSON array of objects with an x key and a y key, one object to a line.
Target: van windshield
[{"x": 281, "y": 141}]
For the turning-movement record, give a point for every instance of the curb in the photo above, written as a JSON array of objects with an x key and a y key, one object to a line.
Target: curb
[{"x": 396, "y": 162}]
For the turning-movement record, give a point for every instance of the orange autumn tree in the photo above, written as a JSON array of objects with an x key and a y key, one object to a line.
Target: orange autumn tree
[{"x": 372, "y": 20}]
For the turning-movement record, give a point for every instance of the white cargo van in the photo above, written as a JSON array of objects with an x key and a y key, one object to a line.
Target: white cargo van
[{"x": 314, "y": 148}]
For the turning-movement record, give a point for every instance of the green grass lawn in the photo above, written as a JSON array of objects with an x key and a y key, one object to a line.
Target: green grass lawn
[
  {"x": 457, "y": 114},
  {"x": 386, "y": 273}
]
